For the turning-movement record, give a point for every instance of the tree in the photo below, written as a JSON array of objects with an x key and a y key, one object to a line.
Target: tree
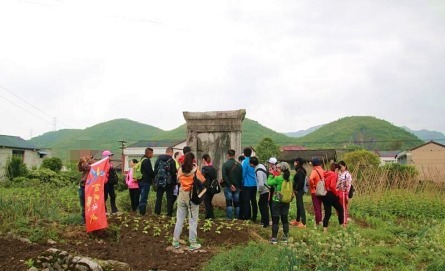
[
  {"x": 53, "y": 163},
  {"x": 266, "y": 148},
  {"x": 15, "y": 167},
  {"x": 362, "y": 158}
]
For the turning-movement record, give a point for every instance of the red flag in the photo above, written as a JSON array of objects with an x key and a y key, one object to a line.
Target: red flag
[{"x": 95, "y": 217}]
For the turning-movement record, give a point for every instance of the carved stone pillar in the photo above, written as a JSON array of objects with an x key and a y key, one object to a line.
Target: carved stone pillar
[{"x": 215, "y": 133}]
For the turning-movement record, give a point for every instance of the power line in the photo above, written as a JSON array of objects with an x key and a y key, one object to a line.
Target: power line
[
  {"x": 25, "y": 109},
  {"x": 54, "y": 122},
  {"x": 23, "y": 100}
]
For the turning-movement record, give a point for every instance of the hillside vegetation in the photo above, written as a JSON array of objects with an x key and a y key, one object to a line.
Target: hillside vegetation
[{"x": 368, "y": 132}]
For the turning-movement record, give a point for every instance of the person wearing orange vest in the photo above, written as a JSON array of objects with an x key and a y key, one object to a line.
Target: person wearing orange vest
[{"x": 185, "y": 207}]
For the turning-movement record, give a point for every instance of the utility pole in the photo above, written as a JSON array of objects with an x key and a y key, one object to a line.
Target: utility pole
[{"x": 122, "y": 154}]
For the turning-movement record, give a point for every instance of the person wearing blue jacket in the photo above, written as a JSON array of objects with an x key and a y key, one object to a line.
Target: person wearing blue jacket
[{"x": 250, "y": 207}]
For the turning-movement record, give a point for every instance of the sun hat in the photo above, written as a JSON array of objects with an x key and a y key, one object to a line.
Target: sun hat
[{"x": 107, "y": 153}]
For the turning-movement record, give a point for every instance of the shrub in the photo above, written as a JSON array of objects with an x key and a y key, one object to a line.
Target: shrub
[
  {"x": 361, "y": 159},
  {"x": 53, "y": 163},
  {"x": 15, "y": 167}
]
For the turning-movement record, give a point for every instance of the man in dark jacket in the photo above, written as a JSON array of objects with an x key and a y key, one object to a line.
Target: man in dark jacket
[
  {"x": 147, "y": 179},
  {"x": 109, "y": 185},
  {"x": 165, "y": 180},
  {"x": 232, "y": 174}
]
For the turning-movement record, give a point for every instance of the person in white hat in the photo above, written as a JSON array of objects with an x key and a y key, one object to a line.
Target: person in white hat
[{"x": 109, "y": 185}]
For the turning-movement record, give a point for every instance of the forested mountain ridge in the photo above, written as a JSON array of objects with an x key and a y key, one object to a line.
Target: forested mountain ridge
[{"x": 366, "y": 132}]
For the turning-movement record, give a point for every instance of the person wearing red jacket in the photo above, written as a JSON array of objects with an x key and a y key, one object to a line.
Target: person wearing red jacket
[{"x": 331, "y": 199}]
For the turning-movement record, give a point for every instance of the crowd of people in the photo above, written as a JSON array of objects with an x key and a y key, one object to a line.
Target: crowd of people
[{"x": 244, "y": 180}]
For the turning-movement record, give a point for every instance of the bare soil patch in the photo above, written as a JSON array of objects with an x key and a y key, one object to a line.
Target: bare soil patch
[{"x": 142, "y": 242}]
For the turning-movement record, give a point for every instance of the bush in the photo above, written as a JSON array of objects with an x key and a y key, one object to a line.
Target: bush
[
  {"x": 45, "y": 175},
  {"x": 15, "y": 168},
  {"x": 362, "y": 159},
  {"x": 53, "y": 163},
  {"x": 70, "y": 176}
]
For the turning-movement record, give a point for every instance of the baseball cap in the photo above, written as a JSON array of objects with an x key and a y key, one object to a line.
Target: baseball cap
[
  {"x": 107, "y": 153},
  {"x": 315, "y": 162},
  {"x": 273, "y": 160}
]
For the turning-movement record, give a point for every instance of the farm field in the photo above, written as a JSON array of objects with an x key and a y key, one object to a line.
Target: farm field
[{"x": 392, "y": 228}]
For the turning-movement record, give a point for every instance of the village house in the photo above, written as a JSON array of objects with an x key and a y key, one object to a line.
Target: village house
[
  {"x": 17, "y": 146},
  {"x": 137, "y": 150},
  {"x": 387, "y": 157},
  {"x": 428, "y": 158},
  {"x": 325, "y": 155}
]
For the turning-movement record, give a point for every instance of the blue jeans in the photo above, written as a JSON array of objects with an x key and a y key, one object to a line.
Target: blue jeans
[
  {"x": 82, "y": 202},
  {"x": 144, "y": 187},
  {"x": 232, "y": 201}
]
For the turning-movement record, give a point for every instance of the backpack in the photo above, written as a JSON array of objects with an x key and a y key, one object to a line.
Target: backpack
[
  {"x": 211, "y": 183},
  {"x": 306, "y": 184},
  {"x": 214, "y": 187},
  {"x": 287, "y": 192},
  {"x": 163, "y": 177},
  {"x": 112, "y": 176},
  {"x": 137, "y": 173},
  {"x": 351, "y": 192},
  {"x": 197, "y": 191},
  {"x": 320, "y": 189}
]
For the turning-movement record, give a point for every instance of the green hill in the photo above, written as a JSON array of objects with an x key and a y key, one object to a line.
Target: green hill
[
  {"x": 107, "y": 134},
  {"x": 367, "y": 132},
  {"x": 98, "y": 137}
]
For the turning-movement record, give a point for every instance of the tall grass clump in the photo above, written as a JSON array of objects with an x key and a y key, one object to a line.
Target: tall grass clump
[
  {"x": 254, "y": 256},
  {"x": 377, "y": 180},
  {"x": 30, "y": 209}
]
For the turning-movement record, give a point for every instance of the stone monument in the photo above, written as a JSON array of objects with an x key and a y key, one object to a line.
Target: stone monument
[{"x": 215, "y": 132}]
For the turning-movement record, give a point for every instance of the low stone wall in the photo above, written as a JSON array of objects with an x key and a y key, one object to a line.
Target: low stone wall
[{"x": 58, "y": 260}]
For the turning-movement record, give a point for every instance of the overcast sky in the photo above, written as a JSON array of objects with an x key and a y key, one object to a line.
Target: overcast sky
[{"x": 291, "y": 64}]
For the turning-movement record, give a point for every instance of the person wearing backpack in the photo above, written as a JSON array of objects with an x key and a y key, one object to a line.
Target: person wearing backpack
[
  {"x": 232, "y": 174},
  {"x": 186, "y": 208},
  {"x": 263, "y": 190},
  {"x": 165, "y": 180},
  {"x": 110, "y": 183},
  {"x": 210, "y": 175},
  {"x": 280, "y": 209},
  {"x": 331, "y": 198},
  {"x": 315, "y": 177},
  {"x": 133, "y": 186},
  {"x": 299, "y": 184},
  {"x": 146, "y": 180}
]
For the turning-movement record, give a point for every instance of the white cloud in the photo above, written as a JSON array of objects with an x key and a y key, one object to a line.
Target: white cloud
[{"x": 291, "y": 65}]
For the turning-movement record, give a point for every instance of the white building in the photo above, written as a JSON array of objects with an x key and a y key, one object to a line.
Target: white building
[{"x": 137, "y": 150}]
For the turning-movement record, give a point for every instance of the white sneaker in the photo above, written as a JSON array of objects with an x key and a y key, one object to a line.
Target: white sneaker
[{"x": 194, "y": 246}]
